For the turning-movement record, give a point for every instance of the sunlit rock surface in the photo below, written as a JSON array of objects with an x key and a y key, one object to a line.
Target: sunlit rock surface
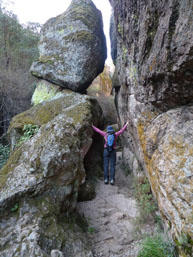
[
  {"x": 45, "y": 91},
  {"x": 72, "y": 47},
  {"x": 168, "y": 151},
  {"x": 154, "y": 91}
]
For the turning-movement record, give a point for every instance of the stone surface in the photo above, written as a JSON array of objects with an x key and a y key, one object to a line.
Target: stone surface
[
  {"x": 87, "y": 191},
  {"x": 155, "y": 50},
  {"x": 45, "y": 91},
  {"x": 56, "y": 253},
  {"x": 72, "y": 47},
  {"x": 168, "y": 148},
  {"x": 155, "y": 93},
  {"x": 34, "y": 229},
  {"x": 102, "y": 85},
  {"x": 40, "y": 182},
  {"x": 113, "y": 37}
]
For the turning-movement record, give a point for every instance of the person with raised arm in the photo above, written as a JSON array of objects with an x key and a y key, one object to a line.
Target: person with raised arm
[{"x": 109, "y": 155}]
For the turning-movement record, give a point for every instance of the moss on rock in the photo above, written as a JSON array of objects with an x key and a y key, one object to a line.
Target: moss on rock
[
  {"x": 79, "y": 36},
  {"x": 72, "y": 47},
  {"x": 45, "y": 91},
  {"x": 44, "y": 112},
  {"x": 9, "y": 166}
]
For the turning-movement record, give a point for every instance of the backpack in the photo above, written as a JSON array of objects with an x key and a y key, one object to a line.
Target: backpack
[{"x": 110, "y": 141}]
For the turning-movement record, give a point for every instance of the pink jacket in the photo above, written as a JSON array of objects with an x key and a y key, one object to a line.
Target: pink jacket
[{"x": 104, "y": 134}]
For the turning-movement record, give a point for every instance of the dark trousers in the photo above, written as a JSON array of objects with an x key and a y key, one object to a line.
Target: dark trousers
[{"x": 109, "y": 160}]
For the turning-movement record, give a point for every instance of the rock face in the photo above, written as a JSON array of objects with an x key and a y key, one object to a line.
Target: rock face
[
  {"x": 154, "y": 90},
  {"x": 39, "y": 184},
  {"x": 72, "y": 47},
  {"x": 45, "y": 91},
  {"x": 113, "y": 37}
]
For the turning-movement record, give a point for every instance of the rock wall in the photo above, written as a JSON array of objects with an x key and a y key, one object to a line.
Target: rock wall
[
  {"x": 154, "y": 90},
  {"x": 40, "y": 182}
]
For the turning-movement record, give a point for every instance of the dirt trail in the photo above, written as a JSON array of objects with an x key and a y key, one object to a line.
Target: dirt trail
[{"x": 111, "y": 217}]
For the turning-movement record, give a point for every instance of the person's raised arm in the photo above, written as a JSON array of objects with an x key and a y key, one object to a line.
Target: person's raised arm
[
  {"x": 102, "y": 133},
  {"x": 121, "y": 130}
]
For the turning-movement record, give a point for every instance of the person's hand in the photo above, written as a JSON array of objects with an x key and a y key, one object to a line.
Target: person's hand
[{"x": 127, "y": 123}]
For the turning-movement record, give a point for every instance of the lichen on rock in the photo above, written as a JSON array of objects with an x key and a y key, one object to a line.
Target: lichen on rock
[
  {"x": 72, "y": 47},
  {"x": 154, "y": 92},
  {"x": 45, "y": 91},
  {"x": 41, "y": 180},
  {"x": 167, "y": 148}
]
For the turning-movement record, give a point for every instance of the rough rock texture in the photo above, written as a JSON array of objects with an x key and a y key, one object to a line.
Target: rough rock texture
[
  {"x": 113, "y": 37},
  {"x": 86, "y": 191},
  {"x": 168, "y": 151},
  {"x": 154, "y": 90},
  {"x": 45, "y": 91},
  {"x": 39, "y": 184},
  {"x": 72, "y": 47}
]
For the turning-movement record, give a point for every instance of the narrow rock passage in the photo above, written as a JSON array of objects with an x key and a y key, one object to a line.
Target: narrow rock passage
[{"x": 111, "y": 217}]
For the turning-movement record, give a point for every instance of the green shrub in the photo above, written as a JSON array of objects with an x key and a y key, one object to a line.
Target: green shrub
[
  {"x": 29, "y": 131},
  {"x": 91, "y": 230},
  {"x": 184, "y": 244},
  {"x": 156, "y": 246},
  {"x": 4, "y": 154},
  {"x": 15, "y": 207}
]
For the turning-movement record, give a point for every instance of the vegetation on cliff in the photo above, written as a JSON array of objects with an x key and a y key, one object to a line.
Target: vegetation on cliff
[{"x": 18, "y": 49}]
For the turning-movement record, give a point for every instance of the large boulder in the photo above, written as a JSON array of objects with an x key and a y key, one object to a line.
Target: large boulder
[
  {"x": 155, "y": 93},
  {"x": 40, "y": 182},
  {"x": 72, "y": 47}
]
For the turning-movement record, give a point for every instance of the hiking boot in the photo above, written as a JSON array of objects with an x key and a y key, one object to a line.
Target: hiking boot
[
  {"x": 112, "y": 181},
  {"x": 106, "y": 181}
]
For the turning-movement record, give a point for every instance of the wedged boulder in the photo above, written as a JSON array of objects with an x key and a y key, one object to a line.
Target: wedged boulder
[
  {"x": 40, "y": 182},
  {"x": 72, "y": 47}
]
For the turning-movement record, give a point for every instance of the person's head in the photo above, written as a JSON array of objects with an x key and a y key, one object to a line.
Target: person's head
[{"x": 110, "y": 129}]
